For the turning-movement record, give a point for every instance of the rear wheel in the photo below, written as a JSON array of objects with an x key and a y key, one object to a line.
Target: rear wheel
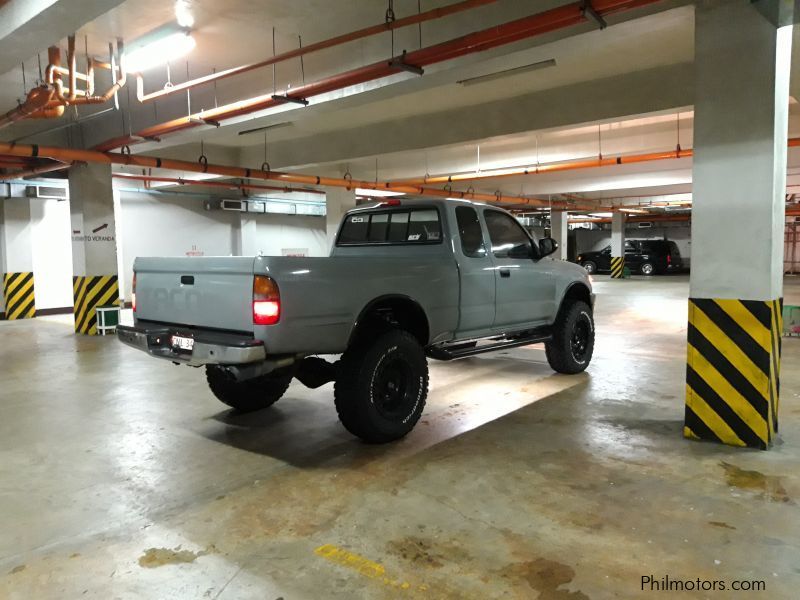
[
  {"x": 647, "y": 268},
  {"x": 249, "y": 395},
  {"x": 590, "y": 267},
  {"x": 571, "y": 347},
  {"x": 381, "y": 388}
]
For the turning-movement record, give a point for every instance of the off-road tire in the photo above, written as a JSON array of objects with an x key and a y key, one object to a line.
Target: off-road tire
[
  {"x": 561, "y": 351},
  {"x": 249, "y": 395},
  {"x": 393, "y": 363}
]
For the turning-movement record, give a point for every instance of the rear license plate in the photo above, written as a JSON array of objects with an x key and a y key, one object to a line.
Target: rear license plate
[{"x": 182, "y": 343}]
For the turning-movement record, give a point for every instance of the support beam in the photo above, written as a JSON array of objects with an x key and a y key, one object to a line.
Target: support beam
[
  {"x": 617, "y": 244},
  {"x": 559, "y": 231},
  {"x": 337, "y": 202},
  {"x": 17, "y": 293},
  {"x": 95, "y": 280},
  {"x": 739, "y": 185}
]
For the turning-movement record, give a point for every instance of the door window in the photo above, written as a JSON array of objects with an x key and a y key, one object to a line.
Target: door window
[
  {"x": 469, "y": 230},
  {"x": 505, "y": 233}
]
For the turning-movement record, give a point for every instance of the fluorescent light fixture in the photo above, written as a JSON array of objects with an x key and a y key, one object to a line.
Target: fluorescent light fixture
[
  {"x": 159, "y": 52},
  {"x": 601, "y": 215},
  {"x": 377, "y": 193},
  {"x": 542, "y": 64},
  {"x": 638, "y": 211},
  {"x": 265, "y": 128}
]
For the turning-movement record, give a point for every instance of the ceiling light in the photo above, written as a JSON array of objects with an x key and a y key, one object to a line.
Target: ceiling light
[
  {"x": 377, "y": 193},
  {"x": 542, "y": 64},
  {"x": 638, "y": 211},
  {"x": 265, "y": 128},
  {"x": 159, "y": 52},
  {"x": 183, "y": 13}
]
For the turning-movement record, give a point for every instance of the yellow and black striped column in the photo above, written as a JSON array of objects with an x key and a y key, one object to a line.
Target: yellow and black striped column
[
  {"x": 617, "y": 266},
  {"x": 89, "y": 293},
  {"x": 19, "y": 296},
  {"x": 733, "y": 371}
]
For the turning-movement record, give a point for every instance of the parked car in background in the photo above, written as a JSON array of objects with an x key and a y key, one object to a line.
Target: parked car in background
[{"x": 646, "y": 257}]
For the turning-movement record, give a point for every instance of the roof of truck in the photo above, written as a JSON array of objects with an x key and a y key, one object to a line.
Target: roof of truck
[{"x": 395, "y": 201}]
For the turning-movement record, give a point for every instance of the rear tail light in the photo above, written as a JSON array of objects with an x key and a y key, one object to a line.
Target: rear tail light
[
  {"x": 669, "y": 259},
  {"x": 266, "y": 301},
  {"x": 133, "y": 293}
]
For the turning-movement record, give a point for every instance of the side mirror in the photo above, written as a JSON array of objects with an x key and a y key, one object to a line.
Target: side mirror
[{"x": 547, "y": 246}]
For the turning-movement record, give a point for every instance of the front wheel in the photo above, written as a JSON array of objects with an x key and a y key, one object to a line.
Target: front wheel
[
  {"x": 571, "y": 347},
  {"x": 590, "y": 267},
  {"x": 249, "y": 395},
  {"x": 381, "y": 388}
]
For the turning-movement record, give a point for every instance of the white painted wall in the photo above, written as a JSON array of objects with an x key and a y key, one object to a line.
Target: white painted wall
[
  {"x": 52, "y": 253},
  {"x": 156, "y": 224}
]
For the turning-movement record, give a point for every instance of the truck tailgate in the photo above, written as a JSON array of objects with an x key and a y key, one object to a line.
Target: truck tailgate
[{"x": 208, "y": 292}]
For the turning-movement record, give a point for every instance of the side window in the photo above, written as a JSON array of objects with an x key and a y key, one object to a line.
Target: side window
[
  {"x": 424, "y": 226},
  {"x": 629, "y": 247},
  {"x": 505, "y": 233},
  {"x": 469, "y": 230}
]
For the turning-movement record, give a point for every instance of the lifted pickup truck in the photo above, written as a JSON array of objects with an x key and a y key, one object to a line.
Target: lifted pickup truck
[{"x": 406, "y": 280}]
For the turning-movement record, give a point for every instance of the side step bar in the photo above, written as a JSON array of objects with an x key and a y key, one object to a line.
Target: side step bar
[{"x": 462, "y": 349}]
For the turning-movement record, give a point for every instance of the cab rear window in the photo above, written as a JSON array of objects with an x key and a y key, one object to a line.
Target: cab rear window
[{"x": 412, "y": 226}]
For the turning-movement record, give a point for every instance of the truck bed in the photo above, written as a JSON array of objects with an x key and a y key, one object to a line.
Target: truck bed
[{"x": 321, "y": 298}]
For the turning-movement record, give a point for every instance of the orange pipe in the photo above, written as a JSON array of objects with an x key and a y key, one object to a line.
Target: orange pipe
[
  {"x": 36, "y": 100},
  {"x": 430, "y": 15},
  {"x": 51, "y": 168},
  {"x": 94, "y": 156}
]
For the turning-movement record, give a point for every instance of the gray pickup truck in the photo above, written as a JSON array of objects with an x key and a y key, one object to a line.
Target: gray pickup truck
[{"x": 406, "y": 280}]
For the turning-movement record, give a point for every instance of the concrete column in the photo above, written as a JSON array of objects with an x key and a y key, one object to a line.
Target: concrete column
[
  {"x": 248, "y": 237},
  {"x": 559, "y": 231},
  {"x": 337, "y": 202},
  {"x": 95, "y": 281},
  {"x": 617, "y": 244},
  {"x": 18, "y": 300},
  {"x": 741, "y": 121}
]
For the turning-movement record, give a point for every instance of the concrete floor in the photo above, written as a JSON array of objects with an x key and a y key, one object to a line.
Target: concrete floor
[{"x": 122, "y": 477}]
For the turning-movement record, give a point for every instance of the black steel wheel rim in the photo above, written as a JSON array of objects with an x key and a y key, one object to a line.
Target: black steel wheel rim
[
  {"x": 579, "y": 342},
  {"x": 393, "y": 388}
]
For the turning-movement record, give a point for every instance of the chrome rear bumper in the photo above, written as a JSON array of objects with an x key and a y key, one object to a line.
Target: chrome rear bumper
[{"x": 209, "y": 348}]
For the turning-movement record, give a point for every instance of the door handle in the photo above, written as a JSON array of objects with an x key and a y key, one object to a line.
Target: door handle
[{"x": 505, "y": 272}]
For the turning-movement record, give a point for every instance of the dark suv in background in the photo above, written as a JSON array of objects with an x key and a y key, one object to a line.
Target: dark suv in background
[{"x": 646, "y": 257}]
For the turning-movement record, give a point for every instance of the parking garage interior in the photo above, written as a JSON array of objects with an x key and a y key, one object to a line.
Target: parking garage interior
[{"x": 654, "y": 141}]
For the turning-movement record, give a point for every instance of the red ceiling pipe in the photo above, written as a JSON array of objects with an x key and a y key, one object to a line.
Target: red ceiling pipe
[
  {"x": 429, "y": 15},
  {"x": 512, "y": 31},
  {"x": 217, "y": 184}
]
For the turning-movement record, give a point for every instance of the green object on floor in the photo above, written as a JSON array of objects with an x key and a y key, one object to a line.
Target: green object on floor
[
  {"x": 626, "y": 273},
  {"x": 791, "y": 320}
]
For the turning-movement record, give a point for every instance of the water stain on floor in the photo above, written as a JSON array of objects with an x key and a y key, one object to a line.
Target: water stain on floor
[
  {"x": 546, "y": 577},
  {"x": 158, "y": 557},
  {"x": 721, "y": 524},
  {"x": 769, "y": 487},
  {"x": 428, "y": 553},
  {"x": 17, "y": 569}
]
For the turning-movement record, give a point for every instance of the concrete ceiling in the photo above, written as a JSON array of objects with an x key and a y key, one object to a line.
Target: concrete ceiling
[{"x": 631, "y": 79}]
